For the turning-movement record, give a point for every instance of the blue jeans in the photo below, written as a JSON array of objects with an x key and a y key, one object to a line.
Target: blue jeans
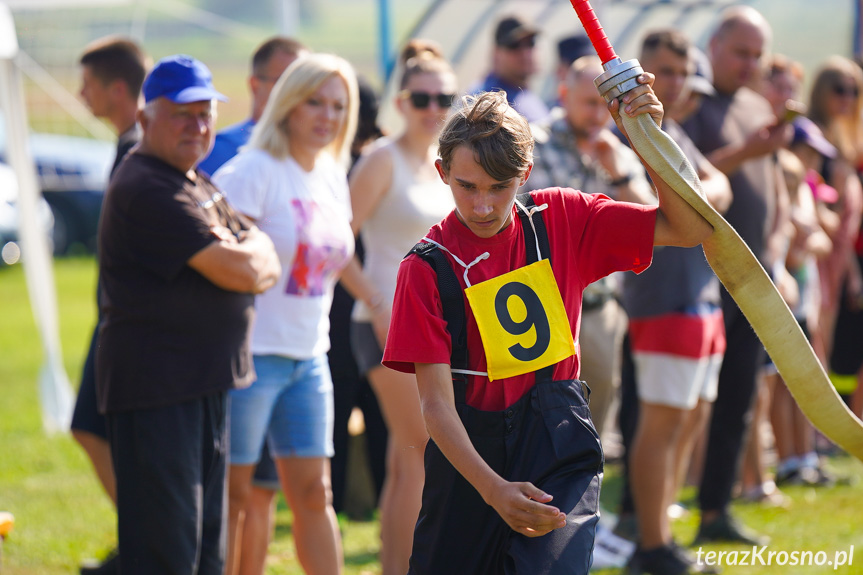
[{"x": 290, "y": 404}]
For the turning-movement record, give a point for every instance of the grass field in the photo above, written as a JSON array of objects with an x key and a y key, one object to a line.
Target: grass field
[{"x": 63, "y": 517}]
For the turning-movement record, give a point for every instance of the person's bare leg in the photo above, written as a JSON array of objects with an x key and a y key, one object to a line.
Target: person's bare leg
[
  {"x": 239, "y": 488},
  {"x": 307, "y": 487},
  {"x": 652, "y": 468},
  {"x": 258, "y": 524},
  {"x": 99, "y": 452},
  {"x": 804, "y": 433},
  {"x": 691, "y": 433},
  {"x": 693, "y": 473},
  {"x": 402, "y": 492},
  {"x": 782, "y": 419},
  {"x": 754, "y": 469}
]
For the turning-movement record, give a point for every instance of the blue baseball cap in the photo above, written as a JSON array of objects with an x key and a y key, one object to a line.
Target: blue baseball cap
[{"x": 181, "y": 79}]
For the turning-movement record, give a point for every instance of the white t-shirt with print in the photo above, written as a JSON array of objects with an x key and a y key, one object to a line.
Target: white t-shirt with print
[{"x": 307, "y": 215}]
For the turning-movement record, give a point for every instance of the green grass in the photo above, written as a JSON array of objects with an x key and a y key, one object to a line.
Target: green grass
[
  {"x": 818, "y": 519},
  {"x": 62, "y": 516}
]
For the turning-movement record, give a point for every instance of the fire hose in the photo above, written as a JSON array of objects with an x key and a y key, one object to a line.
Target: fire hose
[{"x": 730, "y": 258}]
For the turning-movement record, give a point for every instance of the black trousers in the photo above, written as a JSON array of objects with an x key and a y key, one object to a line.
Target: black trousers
[
  {"x": 349, "y": 393},
  {"x": 627, "y": 421},
  {"x": 546, "y": 438},
  {"x": 732, "y": 410},
  {"x": 170, "y": 464},
  {"x": 350, "y": 390},
  {"x": 86, "y": 416}
]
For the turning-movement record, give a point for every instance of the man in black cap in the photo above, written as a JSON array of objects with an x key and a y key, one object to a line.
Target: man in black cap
[
  {"x": 570, "y": 49},
  {"x": 513, "y": 64},
  {"x": 178, "y": 271}
]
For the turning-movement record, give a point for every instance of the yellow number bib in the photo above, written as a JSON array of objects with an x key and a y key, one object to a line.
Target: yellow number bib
[{"x": 522, "y": 321}]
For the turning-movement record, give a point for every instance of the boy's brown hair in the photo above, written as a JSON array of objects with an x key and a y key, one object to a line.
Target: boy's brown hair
[{"x": 499, "y": 136}]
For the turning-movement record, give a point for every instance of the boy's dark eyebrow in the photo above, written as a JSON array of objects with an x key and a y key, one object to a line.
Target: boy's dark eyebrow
[{"x": 495, "y": 184}]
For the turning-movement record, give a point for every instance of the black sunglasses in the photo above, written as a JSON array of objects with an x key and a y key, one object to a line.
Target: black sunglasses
[
  {"x": 421, "y": 100},
  {"x": 522, "y": 44},
  {"x": 842, "y": 90}
]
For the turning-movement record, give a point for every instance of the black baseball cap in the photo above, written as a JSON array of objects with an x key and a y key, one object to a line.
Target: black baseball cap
[
  {"x": 513, "y": 29},
  {"x": 572, "y": 48}
]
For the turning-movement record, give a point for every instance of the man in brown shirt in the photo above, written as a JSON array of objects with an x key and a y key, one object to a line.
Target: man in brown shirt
[{"x": 178, "y": 269}]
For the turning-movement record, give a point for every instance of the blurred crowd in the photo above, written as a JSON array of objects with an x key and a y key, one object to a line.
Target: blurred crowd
[{"x": 195, "y": 415}]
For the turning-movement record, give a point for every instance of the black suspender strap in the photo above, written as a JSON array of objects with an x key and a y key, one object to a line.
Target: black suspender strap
[
  {"x": 541, "y": 233},
  {"x": 452, "y": 300},
  {"x": 541, "y": 236}
]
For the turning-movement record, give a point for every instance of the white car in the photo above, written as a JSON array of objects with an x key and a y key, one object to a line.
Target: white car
[
  {"x": 72, "y": 174},
  {"x": 10, "y": 251}
]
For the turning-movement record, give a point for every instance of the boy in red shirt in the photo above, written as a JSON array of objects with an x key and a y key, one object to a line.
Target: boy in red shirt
[{"x": 486, "y": 314}]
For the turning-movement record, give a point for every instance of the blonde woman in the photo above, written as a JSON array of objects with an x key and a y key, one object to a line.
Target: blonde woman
[
  {"x": 397, "y": 196},
  {"x": 291, "y": 180},
  {"x": 835, "y": 105}
]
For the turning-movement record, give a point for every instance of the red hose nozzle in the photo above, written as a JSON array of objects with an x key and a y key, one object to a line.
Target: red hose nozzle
[
  {"x": 594, "y": 30},
  {"x": 619, "y": 77}
]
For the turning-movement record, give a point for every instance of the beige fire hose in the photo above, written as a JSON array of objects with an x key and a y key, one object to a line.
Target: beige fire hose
[
  {"x": 756, "y": 296},
  {"x": 730, "y": 257}
]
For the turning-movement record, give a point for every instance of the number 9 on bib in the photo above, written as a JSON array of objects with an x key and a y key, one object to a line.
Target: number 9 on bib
[{"x": 521, "y": 320}]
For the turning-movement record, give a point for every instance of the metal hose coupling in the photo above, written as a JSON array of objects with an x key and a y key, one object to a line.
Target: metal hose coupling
[{"x": 619, "y": 77}]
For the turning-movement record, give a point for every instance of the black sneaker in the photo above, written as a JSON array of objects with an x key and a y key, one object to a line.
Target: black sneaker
[
  {"x": 110, "y": 566},
  {"x": 665, "y": 560},
  {"x": 789, "y": 477},
  {"x": 727, "y": 528}
]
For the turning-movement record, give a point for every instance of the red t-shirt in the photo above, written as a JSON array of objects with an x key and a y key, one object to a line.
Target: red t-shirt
[{"x": 590, "y": 236}]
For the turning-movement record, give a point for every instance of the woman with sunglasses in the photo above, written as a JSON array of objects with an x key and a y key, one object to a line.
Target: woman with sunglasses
[
  {"x": 397, "y": 195},
  {"x": 291, "y": 179},
  {"x": 835, "y": 106}
]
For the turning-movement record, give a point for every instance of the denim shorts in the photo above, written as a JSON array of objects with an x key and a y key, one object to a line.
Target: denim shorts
[{"x": 290, "y": 404}]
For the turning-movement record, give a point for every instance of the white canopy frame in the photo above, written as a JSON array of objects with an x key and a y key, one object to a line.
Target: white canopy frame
[{"x": 54, "y": 388}]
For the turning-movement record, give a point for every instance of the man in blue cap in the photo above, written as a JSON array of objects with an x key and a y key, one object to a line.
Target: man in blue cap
[{"x": 178, "y": 271}]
